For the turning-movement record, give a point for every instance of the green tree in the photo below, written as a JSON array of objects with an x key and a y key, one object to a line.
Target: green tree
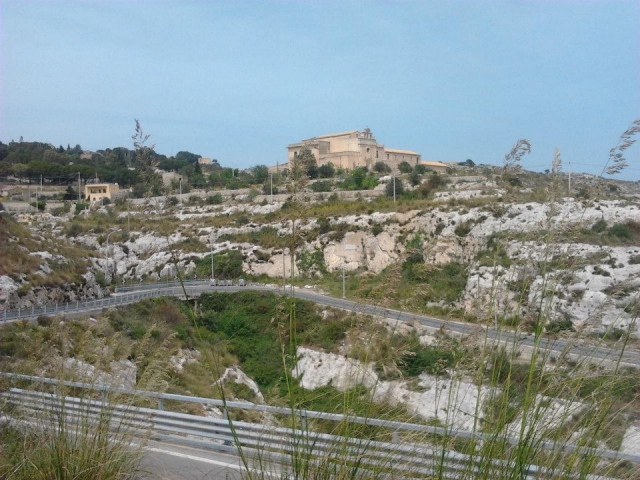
[
  {"x": 399, "y": 187},
  {"x": 405, "y": 167},
  {"x": 415, "y": 178},
  {"x": 304, "y": 164},
  {"x": 328, "y": 170},
  {"x": 260, "y": 173},
  {"x": 381, "y": 167}
]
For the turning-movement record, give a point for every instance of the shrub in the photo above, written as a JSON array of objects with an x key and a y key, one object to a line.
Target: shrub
[
  {"x": 463, "y": 229},
  {"x": 40, "y": 205},
  {"x": 600, "y": 226},
  {"x": 321, "y": 186},
  {"x": 399, "y": 187},
  {"x": 74, "y": 229},
  {"x": 560, "y": 325},
  {"x": 44, "y": 320},
  {"x": 381, "y": 167},
  {"x": 431, "y": 359},
  {"x": 621, "y": 231},
  {"x": 405, "y": 167},
  {"x": 215, "y": 199},
  {"x": 327, "y": 170},
  {"x": 80, "y": 206}
]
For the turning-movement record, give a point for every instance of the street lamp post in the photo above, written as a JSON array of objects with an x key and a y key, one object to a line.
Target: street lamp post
[{"x": 271, "y": 181}]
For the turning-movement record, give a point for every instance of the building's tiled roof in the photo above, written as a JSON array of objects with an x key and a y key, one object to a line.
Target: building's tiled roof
[
  {"x": 339, "y": 134},
  {"x": 405, "y": 152},
  {"x": 427, "y": 163}
]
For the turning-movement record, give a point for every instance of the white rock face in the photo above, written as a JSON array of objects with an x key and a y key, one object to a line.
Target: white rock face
[
  {"x": 451, "y": 401},
  {"x": 122, "y": 375},
  {"x": 236, "y": 375},
  {"x": 631, "y": 440},
  {"x": 316, "y": 369},
  {"x": 183, "y": 357},
  {"x": 7, "y": 286},
  {"x": 361, "y": 250}
]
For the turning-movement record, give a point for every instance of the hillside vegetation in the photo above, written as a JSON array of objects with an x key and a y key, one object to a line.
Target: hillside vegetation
[{"x": 503, "y": 249}]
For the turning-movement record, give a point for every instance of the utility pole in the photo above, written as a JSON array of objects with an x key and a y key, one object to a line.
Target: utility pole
[
  {"x": 211, "y": 242},
  {"x": 569, "y": 178},
  {"x": 78, "y": 187},
  {"x": 271, "y": 180},
  {"x": 284, "y": 274}
]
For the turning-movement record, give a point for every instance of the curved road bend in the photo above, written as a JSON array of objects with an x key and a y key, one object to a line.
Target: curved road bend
[{"x": 558, "y": 345}]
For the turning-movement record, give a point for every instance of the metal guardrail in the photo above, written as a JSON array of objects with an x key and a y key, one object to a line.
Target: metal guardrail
[
  {"x": 397, "y": 429},
  {"x": 134, "y": 295},
  {"x": 279, "y": 445},
  {"x": 154, "y": 285},
  {"x": 123, "y": 295}
]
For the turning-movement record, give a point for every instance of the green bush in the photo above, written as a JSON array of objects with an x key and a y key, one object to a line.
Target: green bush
[
  {"x": 463, "y": 229},
  {"x": 226, "y": 264},
  {"x": 321, "y": 186},
  {"x": 621, "y": 231},
  {"x": 426, "y": 359},
  {"x": 560, "y": 325},
  {"x": 359, "y": 179},
  {"x": 255, "y": 325},
  {"x": 381, "y": 167},
  {"x": 389, "y": 188},
  {"x": 80, "y": 206},
  {"x": 214, "y": 199}
]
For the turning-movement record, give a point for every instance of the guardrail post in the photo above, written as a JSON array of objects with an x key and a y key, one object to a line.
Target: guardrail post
[
  {"x": 303, "y": 421},
  {"x": 18, "y": 311},
  {"x": 45, "y": 308},
  {"x": 77, "y": 304},
  {"x": 56, "y": 307},
  {"x": 31, "y": 309},
  {"x": 67, "y": 307},
  {"x": 395, "y": 438}
]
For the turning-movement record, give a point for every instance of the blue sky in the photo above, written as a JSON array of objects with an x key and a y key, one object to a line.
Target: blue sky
[{"x": 239, "y": 80}]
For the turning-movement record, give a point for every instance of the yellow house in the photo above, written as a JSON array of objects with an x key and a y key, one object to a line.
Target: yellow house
[
  {"x": 95, "y": 192},
  {"x": 352, "y": 149}
]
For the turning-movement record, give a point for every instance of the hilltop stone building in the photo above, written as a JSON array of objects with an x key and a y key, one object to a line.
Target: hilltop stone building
[{"x": 352, "y": 149}]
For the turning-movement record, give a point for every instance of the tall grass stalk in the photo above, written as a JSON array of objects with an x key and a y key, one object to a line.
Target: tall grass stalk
[
  {"x": 53, "y": 437},
  {"x": 535, "y": 419}
]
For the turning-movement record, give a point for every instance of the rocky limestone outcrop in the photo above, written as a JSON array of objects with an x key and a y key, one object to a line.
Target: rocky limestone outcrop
[{"x": 41, "y": 296}]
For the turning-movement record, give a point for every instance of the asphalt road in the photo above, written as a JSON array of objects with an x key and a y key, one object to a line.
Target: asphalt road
[
  {"x": 557, "y": 346},
  {"x": 170, "y": 462}
]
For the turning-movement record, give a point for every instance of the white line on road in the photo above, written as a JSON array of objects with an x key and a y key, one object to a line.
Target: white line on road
[{"x": 194, "y": 457}]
